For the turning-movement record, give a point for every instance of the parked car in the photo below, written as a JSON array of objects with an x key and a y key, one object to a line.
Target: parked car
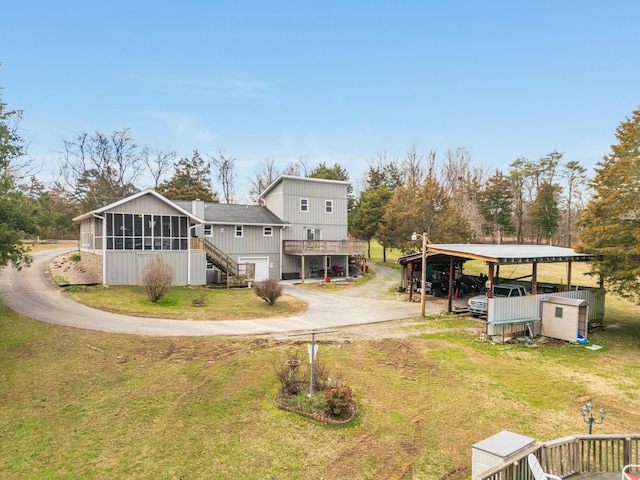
[{"x": 478, "y": 304}]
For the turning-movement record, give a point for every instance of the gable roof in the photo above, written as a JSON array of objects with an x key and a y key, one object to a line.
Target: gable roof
[
  {"x": 231, "y": 214},
  {"x": 148, "y": 191}
]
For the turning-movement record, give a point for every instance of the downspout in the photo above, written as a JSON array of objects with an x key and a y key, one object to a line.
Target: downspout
[
  {"x": 189, "y": 256},
  {"x": 281, "y": 253},
  {"x": 104, "y": 249}
]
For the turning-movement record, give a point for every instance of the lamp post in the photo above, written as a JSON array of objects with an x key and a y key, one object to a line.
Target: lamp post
[
  {"x": 588, "y": 417},
  {"x": 423, "y": 278}
]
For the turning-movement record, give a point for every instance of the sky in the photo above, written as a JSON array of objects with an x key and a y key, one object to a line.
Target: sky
[{"x": 332, "y": 81}]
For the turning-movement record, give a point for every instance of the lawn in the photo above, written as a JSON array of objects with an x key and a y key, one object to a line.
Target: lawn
[
  {"x": 219, "y": 304},
  {"x": 83, "y": 404}
]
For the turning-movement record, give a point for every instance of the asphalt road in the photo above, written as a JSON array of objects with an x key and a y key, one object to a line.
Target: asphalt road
[{"x": 31, "y": 293}]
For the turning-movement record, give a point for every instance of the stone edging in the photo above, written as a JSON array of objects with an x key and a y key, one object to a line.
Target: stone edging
[{"x": 315, "y": 416}]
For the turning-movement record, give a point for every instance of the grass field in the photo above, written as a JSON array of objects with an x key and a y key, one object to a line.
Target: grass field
[{"x": 80, "y": 404}]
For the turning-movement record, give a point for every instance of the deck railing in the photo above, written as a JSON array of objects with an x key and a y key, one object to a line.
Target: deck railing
[
  {"x": 324, "y": 247},
  {"x": 571, "y": 455}
]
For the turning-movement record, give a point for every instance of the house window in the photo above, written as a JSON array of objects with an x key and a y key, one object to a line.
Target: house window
[
  {"x": 328, "y": 206},
  {"x": 304, "y": 204},
  {"x": 238, "y": 231},
  {"x": 208, "y": 230},
  {"x": 127, "y": 231},
  {"x": 558, "y": 312},
  {"x": 267, "y": 231},
  {"x": 314, "y": 234}
]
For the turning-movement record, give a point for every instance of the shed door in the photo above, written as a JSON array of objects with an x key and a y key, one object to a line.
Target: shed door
[{"x": 262, "y": 266}]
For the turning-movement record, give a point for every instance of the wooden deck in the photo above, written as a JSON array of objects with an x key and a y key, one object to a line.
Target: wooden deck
[
  {"x": 596, "y": 476},
  {"x": 576, "y": 457}
]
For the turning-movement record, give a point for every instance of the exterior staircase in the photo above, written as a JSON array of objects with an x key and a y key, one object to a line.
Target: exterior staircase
[{"x": 233, "y": 273}]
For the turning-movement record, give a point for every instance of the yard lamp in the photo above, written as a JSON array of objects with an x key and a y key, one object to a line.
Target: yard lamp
[
  {"x": 423, "y": 278},
  {"x": 588, "y": 417}
]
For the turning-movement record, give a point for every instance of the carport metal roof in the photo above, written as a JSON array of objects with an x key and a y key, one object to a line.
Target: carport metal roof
[{"x": 509, "y": 254}]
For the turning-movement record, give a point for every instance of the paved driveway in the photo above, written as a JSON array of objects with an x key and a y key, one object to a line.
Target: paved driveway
[{"x": 30, "y": 292}]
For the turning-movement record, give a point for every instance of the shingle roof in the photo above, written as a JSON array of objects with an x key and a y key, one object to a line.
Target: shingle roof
[{"x": 231, "y": 214}]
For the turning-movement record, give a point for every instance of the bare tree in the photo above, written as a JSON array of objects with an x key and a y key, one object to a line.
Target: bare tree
[
  {"x": 100, "y": 168},
  {"x": 413, "y": 168},
  {"x": 158, "y": 162},
  {"x": 298, "y": 168},
  {"x": 225, "y": 173},
  {"x": 265, "y": 173}
]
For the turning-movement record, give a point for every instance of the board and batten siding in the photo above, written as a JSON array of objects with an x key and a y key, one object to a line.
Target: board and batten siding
[
  {"x": 125, "y": 267},
  {"x": 252, "y": 243},
  {"x": 146, "y": 204}
]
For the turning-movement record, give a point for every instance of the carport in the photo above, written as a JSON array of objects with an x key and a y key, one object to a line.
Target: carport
[{"x": 494, "y": 256}]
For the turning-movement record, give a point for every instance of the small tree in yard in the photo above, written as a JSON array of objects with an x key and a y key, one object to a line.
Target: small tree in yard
[
  {"x": 157, "y": 278},
  {"x": 269, "y": 290}
]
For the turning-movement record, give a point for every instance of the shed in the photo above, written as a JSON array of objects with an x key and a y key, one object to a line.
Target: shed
[
  {"x": 563, "y": 318},
  {"x": 497, "y": 449}
]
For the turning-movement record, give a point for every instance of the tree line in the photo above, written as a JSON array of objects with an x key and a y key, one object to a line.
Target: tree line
[{"x": 546, "y": 200}]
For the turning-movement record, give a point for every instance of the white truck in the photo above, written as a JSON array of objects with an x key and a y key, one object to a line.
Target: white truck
[{"x": 478, "y": 304}]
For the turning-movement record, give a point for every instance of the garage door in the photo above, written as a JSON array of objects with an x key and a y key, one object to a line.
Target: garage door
[{"x": 262, "y": 266}]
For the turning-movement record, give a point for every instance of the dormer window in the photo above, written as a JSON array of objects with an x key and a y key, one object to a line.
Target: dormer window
[{"x": 304, "y": 204}]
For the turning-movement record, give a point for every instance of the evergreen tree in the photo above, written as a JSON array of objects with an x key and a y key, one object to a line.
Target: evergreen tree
[
  {"x": 15, "y": 218},
  {"x": 366, "y": 217},
  {"x": 611, "y": 222},
  {"x": 496, "y": 205},
  {"x": 545, "y": 216},
  {"x": 191, "y": 181}
]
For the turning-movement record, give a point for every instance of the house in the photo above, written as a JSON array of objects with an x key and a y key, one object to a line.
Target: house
[{"x": 298, "y": 230}]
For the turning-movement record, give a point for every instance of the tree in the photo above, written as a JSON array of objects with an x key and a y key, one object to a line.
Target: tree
[
  {"x": 158, "y": 162},
  {"x": 98, "y": 169},
  {"x": 574, "y": 176},
  {"x": 517, "y": 175},
  {"x": 545, "y": 216},
  {"x": 365, "y": 219},
  {"x": 426, "y": 209},
  {"x": 15, "y": 218},
  {"x": 225, "y": 173},
  {"x": 190, "y": 181},
  {"x": 496, "y": 205},
  {"x": 611, "y": 222},
  {"x": 265, "y": 174}
]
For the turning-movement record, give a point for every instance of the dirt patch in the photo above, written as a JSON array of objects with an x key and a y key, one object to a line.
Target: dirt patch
[{"x": 66, "y": 271}]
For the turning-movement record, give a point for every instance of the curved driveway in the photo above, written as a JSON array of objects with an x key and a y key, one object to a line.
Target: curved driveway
[{"x": 30, "y": 293}]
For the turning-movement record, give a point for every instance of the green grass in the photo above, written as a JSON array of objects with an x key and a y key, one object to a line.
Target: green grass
[
  {"x": 83, "y": 404},
  {"x": 221, "y": 304}
]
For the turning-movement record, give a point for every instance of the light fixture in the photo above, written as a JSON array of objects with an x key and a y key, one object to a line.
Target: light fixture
[{"x": 588, "y": 417}]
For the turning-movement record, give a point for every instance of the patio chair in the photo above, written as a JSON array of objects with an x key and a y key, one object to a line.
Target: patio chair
[
  {"x": 627, "y": 475},
  {"x": 538, "y": 472}
]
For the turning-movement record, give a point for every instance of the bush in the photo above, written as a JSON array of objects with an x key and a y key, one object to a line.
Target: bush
[
  {"x": 75, "y": 257},
  {"x": 269, "y": 290},
  {"x": 290, "y": 381},
  {"x": 157, "y": 278},
  {"x": 339, "y": 401}
]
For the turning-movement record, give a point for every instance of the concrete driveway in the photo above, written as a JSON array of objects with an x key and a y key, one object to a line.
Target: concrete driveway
[{"x": 31, "y": 293}]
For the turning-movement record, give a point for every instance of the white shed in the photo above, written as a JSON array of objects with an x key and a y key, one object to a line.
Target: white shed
[
  {"x": 497, "y": 449},
  {"x": 563, "y": 318}
]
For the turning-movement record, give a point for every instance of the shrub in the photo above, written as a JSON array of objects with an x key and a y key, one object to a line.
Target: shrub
[
  {"x": 290, "y": 381},
  {"x": 269, "y": 290},
  {"x": 157, "y": 278},
  {"x": 75, "y": 257},
  {"x": 339, "y": 401}
]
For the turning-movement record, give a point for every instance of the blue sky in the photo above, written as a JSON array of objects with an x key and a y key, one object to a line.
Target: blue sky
[{"x": 335, "y": 82}]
